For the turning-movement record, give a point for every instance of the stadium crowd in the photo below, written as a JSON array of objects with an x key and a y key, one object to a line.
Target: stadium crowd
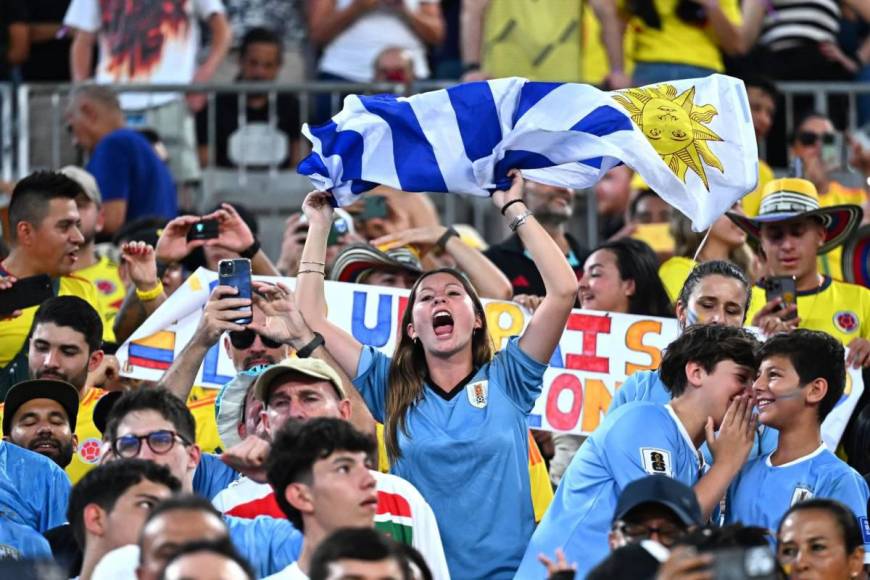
[{"x": 325, "y": 457}]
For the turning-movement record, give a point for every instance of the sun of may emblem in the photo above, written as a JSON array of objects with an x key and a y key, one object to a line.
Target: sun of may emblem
[{"x": 674, "y": 126}]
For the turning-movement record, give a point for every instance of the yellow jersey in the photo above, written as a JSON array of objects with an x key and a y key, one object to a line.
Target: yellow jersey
[
  {"x": 594, "y": 62},
  {"x": 831, "y": 263},
  {"x": 110, "y": 289},
  {"x": 201, "y": 404},
  {"x": 523, "y": 38},
  {"x": 14, "y": 332},
  {"x": 678, "y": 42},
  {"x": 751, "y": 202},
  {"x": 838, "y": 308}
]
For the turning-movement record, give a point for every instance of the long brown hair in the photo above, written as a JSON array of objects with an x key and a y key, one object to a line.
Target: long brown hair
[{"x": 408, "y": 368}]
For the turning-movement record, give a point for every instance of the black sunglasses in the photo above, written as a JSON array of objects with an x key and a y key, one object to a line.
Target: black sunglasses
[
  {"x": 808, "y": 138},
  {"x": 242, "y": 339}
]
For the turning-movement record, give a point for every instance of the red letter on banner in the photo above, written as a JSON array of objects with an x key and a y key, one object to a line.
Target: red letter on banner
[
  {"x": 555, "y": 417},
  {"x": 591, "y": 327}
]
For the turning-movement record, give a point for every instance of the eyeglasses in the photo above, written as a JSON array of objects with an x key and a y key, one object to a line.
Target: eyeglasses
[
  {"x": 808, "y": 138},
  {"x": 667, "y": 535},
  {"x": 160, "y": 442},
  {"x": 242, "y": 339}
]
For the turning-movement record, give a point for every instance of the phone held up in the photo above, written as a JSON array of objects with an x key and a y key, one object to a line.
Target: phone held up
[
  {"x": 784, "y": 287},
  {"x": 26, "y": 292},
  {"x": 237, "y": 274},
  {"x": 204, "y": 230}
]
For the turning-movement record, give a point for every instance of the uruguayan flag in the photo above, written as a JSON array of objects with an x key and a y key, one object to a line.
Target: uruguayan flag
[{"x": 691, "y": 140}]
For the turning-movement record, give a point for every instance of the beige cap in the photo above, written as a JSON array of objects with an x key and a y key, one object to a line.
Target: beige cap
[
  {"x": 310, "y": 367},
  {"x": 86, "y": 180}
]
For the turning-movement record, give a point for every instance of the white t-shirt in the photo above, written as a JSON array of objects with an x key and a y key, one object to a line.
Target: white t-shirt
[
  {"x": 291, "y": 572},
  {"x": 352, "y": 53},
  {"x": 155, "y": 42},
  {"x": 119, "y": 564}
]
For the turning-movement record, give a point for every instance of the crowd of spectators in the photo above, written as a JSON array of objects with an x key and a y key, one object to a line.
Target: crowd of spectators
[{"x": 324, "y": 457}]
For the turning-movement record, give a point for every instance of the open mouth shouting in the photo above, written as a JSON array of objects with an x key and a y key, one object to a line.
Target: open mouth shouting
[{"x": 442, "y": 323}]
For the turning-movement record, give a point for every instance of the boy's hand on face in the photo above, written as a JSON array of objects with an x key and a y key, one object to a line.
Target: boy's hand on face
[{"x": 736, "y": 434}]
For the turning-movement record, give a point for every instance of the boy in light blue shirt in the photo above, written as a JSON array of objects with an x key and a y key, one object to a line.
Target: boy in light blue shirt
[
  {"x": 801, "y": 379},
  {"x": 708, "y": 370}
]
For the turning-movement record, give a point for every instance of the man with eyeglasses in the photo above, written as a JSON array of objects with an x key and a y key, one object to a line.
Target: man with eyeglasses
[
  {"x": 654, "y": 508},
  {"x": 154, "y": 425}
]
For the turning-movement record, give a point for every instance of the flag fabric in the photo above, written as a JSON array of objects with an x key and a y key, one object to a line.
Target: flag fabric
[{"x": 692, "y": 140}]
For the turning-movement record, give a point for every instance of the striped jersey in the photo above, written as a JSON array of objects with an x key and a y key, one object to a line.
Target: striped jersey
[{"x": 791, "y": 23}]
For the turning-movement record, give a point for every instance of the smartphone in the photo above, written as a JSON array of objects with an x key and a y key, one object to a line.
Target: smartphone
[
  {"x": 784, "y": 287},
  {"x": 757, "y": 563},
  {"x": 237, "y": 273},
  {"x": 832, "y": 152},
  {"x": 657, "y": 236},
  {"x": 26, "y": 292},
  {"x": 374, "y": 206},
  {"x": 337, "y": 230},
  {"x": 204, "y": 230}
]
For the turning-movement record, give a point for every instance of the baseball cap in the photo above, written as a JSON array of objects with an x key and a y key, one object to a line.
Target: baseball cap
[
  {"x": 310, "y": 367},
  {"x": 103, "y": 408},
  {"x": 663, "y": 490},
  {"x": 86, "y": 180},
  {"x": 62, "y": 392}
]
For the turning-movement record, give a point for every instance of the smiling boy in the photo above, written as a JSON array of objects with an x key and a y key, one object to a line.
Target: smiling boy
[{"x": 801, "y": 378}]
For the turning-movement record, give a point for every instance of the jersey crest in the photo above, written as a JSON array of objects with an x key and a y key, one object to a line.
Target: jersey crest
[
  {"x": 846, "y": 321},
  {"x": 801, "y": 493},
  {"x": 657, "y": 461},
  {"x": 478, "y": 393}
]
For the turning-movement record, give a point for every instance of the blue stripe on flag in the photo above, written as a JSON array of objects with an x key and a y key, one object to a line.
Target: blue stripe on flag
[
  {"x": 518, "y": 159},
  {"x": 603, "y": 121},
  {"x": 594, "y": 162},
  {"x": 530, "y": 94},
  {"x": 477, "y": 117},
  {"x": 416, "y": 165},
  {"x": 349, "y": 145}
]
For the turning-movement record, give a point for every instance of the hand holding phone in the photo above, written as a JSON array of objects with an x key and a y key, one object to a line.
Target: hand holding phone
[
  {"x": 205, "y": 229},
  {"x": 24, "y": 293},
  {"x": 237, "y": 274},
  {"x": 784, "y": 288}
]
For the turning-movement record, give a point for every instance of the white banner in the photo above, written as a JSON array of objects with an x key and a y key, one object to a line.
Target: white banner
[{"x": 595, "y": 355}]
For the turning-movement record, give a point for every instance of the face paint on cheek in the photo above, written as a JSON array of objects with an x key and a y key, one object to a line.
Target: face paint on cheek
[{"x": 692, "y": 317}]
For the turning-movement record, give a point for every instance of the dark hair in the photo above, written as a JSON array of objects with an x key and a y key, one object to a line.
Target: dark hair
[
  {"x": 813, "y": 354},
  {"x": 637, "y": 261},
  {"x": 263, "y": 35},
  {"x": 714, "y": 268},
  {"x": 842, "y": 515},
  {"x": 222, "y": 547},
  {"x": 299, "y": 445},
  {"x": 144, "y": 229},
  {"x": 641, "y": 195},
  {"x": 763, "y": 84},
  {"x": 246, "y": 214},
  {"x": 707, "y": 345},
  {"x": 72, "y": 312},
  {"x": 413, "y": 556},
  {"x": 156, "y": 399},
  {"x": 365, "y": 544},
  {"x": 104, "y": 484},
  {"x": 856, "y": 440},
  {"x": 31, "y": 196},
  {"x": 803, "y": 118},
  {"x": 184, "y": 502},
  {"x": 737, "y": 535}
]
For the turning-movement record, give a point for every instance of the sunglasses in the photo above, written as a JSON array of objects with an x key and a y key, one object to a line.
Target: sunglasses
[
  {"x": 160, "y": 442},
  {"x": 242, "y": 339},
  {"x": 808, "y": 138}
]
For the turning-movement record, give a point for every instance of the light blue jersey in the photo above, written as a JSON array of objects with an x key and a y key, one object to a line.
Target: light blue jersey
[
  {"x": 267, "y": 543},
  {"x": 636, "y": 440},
  {"x": 467, "y": 453},
  {"x": 34, "y": 491},
  {"x": 19, "y": 542},
  {"x": 648, "y": 386},
  {"x": 762, "y": 493}
]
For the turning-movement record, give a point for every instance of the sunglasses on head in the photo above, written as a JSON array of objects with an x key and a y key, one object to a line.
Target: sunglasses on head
[
  {"x": 808, "y": 138},
  {"x": 242, "y": 339}
]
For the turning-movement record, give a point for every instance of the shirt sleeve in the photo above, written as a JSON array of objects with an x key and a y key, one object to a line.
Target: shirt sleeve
[
  {"x": 269, "y": 544},
  {"x": 84, "y": 15},
  {"x": 519, "y": 375},
  {"x": 212, "y": 476},
  {"x": 56, "y": 500},
  {"x": 852, "y": 491},
  {"x": 627, "y": 392},
  {"x": 108, "y": 165},
  {"x": 731, "y": 9},
  {"x": 371, "y": 380},
  {"x": 205, "y": 8},
  {"x": 632, "y": 453}
]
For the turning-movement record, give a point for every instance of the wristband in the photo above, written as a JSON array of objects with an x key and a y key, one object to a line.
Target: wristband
[
  {"x": 470, "y": 67},
  {"x": 519, "y": 220},
  {"x": 251, "y": 251},
  {"x": 510, "y": 203},
  {"x": 149, "y": 295},
  {"x": 445, "y": 237},
  {"x": 309, "y": 348}
]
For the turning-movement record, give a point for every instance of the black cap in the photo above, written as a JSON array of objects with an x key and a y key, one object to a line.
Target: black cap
[
  {"x": 662, "y": 490},
  {"x": 103, "y": 408},
  {"x": 631, "y": 561},
  {"x": 62, "y": 392}
]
